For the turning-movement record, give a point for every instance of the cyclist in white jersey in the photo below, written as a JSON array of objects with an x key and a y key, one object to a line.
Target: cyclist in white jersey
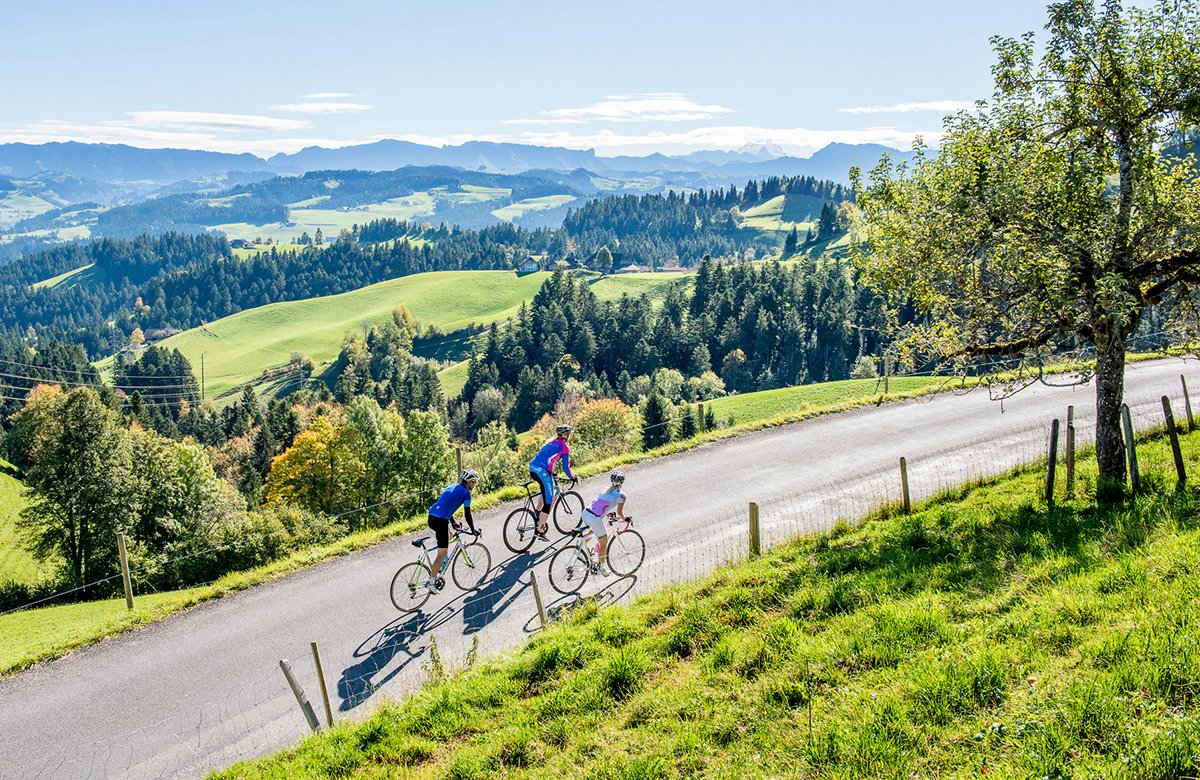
[{"x": 611, "y": 500}]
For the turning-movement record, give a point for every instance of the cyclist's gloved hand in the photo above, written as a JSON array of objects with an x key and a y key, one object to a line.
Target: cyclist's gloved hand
[{"x": 574, "y": 481}]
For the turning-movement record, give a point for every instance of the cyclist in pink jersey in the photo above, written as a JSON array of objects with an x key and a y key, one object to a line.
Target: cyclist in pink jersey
[
  {"x": 553, "y": 452},
  {"x": 611, "y": 500}
]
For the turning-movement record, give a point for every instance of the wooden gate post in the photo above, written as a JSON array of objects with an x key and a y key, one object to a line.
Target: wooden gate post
[
  {"x": 904, "y": 486},
  {"x": 1135, "y": 479},
  {"x": 1187, "y": 405},
  {"x": 124, "y": 556},
  {"x": 301, "y": 699},
  {"x": 1174, "y": 434},
  {"x": 1052, "y": 462},
  {"x": 755, "y": 539}
]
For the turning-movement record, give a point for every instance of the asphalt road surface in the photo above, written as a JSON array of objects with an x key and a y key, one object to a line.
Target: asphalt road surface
[{"x": 203, "y": 689}]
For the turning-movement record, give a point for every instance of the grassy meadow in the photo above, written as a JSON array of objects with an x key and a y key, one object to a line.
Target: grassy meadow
[
  {"x": 983, "y": 635},
  {"x": 16, "y": 563},
  {"x": 783, "y": 212},
  {"x": 237, "y": 348},
  {"x": 802, "y": 401},
  {"x": 15, "y": 207},
  {"x": 521, "y": 207}
]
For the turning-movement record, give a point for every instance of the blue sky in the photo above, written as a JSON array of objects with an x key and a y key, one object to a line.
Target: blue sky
[{"x": 620, "y": 77}]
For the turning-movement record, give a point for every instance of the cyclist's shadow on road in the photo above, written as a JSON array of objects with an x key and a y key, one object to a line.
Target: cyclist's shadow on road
[
  {"x": 611, "y": 593},
  {"x": 504, "y": 585},
  {"x": 399, "y": 638}
]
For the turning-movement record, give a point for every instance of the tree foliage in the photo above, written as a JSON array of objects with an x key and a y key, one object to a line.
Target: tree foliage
[{"x": 1051, "y": 212}]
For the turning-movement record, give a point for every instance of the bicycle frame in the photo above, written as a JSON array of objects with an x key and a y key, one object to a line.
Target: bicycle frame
[{"x": 455, "y": 549}]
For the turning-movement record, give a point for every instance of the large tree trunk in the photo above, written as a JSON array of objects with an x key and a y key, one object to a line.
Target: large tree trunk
[{"x": 1110, "y": 392}]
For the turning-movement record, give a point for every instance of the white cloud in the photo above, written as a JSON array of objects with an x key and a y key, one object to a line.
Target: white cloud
[
  {"x": 210, "y": 121},
  {"x": 647, "y": 107},
  {"x": 322, "y": 108},
  {"x": 320, "y": 95},
  {"x": 945, "y": 106}
]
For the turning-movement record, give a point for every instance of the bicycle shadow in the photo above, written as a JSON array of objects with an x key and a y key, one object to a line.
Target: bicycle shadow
[
  {"x": 562, "y": 607},
  {"x": 504, "y": 585},
  {"x": 400, "y": 637}
]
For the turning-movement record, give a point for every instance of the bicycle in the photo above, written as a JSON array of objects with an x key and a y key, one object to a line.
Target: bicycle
[
  {"x": 469, "y": 564},
  {"x": 570, "y": 566},
  {"x": 521, "y": 524}
]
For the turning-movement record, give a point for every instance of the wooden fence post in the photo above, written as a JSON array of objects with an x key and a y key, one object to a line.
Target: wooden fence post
[
  {"x": 755, "y": 539},
  {"x": 887, "y": 372},
  {"x": 700, "y": 425},
  {"x": 1052, "y": 462},
  {"x": 1070, "y": 460},
  {"x": 1135, "y": 479},
  {"x": 1187, "y": 405},
  {"x": 1174, "y": 434},
  {"x": 124, "y": 555},
  {"x": 537, "y": 599},
  {"x": 904, "y": 486},
  {"x": 324, "y": 689},
  {"x": 301, "y": 699}
]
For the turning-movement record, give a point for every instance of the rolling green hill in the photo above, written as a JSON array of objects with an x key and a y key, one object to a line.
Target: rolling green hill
[
  {"x": 237, "y": 348},
  {"x": 784, "y": 212}
]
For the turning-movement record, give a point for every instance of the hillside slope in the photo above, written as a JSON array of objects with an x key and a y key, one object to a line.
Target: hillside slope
[
  {"x": 236, "y": 349},
  {"x": 984, "y": 635}
]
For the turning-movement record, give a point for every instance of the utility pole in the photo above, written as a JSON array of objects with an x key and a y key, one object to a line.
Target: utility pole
[{"x": 202, "y": 377}]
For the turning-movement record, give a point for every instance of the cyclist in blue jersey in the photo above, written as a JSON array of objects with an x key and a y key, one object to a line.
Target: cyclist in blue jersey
[
  {"x": 441, "y": 517},
  {"x": 611, "y": 500},
  {"x": 541, "y": 468}
]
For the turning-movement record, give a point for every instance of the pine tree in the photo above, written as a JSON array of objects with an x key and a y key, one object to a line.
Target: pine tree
[
  {"x": 655, "y": 418},
  {"x": 791, "y": 244},
  {"x": 687, "y": 422}
]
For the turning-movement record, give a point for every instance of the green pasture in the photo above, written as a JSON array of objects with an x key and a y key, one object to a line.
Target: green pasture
[
  {"x": 804, "y": 400},
  {"x": 76, "y": 277},
  {"x": 19, "y": 206},
  {"x": 514, "y": 210},
  {"x": 15, "y": 562},
  {"x": 237, "y": 348},
  {"x": 784, "y": 212}
]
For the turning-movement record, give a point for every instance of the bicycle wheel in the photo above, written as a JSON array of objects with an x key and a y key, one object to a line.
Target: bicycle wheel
[
  {"x": 626, "y": 550},
  {"x": 569, "y": 569},
  {"x": 408, "y": 587},
  {"x": 568, "y": 510},
  {"x": 519, "y": 528},
  {"x": 471, "y": 565}
]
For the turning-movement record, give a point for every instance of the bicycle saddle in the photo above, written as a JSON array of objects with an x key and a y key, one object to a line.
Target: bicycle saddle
[{"x": 420, "y": 542}]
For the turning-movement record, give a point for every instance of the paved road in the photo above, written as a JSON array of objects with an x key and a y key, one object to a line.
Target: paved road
[{"x": 203, "y": 689}]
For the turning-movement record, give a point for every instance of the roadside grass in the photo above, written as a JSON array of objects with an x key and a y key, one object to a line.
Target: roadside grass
[{"x": 983, "y": 635}]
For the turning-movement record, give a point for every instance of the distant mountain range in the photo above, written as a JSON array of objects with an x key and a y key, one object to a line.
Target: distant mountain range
[{"x": 144, "y": 170}]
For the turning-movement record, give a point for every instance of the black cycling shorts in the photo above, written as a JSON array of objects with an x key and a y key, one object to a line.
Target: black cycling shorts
[{"x": 441, "y": 528}]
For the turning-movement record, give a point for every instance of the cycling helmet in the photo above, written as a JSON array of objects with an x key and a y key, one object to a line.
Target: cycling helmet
[
  {"x": 468, "y": 475},
  {"x": 562, "y": 429},
  {"x": 617, "y": 477}
]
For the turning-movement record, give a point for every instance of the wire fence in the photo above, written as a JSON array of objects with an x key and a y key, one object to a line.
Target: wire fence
[{"x": 257, "y": 712}]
